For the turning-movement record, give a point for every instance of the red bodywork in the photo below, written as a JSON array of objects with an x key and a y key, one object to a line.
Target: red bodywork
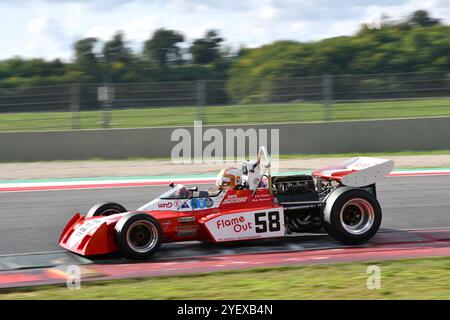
[
  {"x": 232, "y": 215},
  {"x": 95, "y": 236}
]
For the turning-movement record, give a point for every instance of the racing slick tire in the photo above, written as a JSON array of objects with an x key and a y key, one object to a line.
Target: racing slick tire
[
  {"x": 105, "y": 209},
  {"x": 351, "y": 215},
  {"x": 138, "y": 235}
]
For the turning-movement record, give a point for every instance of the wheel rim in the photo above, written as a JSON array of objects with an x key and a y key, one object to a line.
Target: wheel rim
[
  {"x": 142, "y": 236},
  {"x": 357, "y": 216}
]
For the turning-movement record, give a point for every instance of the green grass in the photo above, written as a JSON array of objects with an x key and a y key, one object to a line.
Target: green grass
[
  {"x": 235, "y": 114},
  {"x": 283, "y": 156},
  {"x": 365, "y": 154},
  {"x": 401, "y": 279}
]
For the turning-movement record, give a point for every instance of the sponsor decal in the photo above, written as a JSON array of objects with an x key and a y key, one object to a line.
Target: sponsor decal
[
  {"x": 186, "y": 219},
  {"x": 185, "y": 205},
  {"x": 189, "y": 233},
  {"x": 87, "y": 227},
  {"x": 209, "y": 202},
  {"x": 165, "y": 205},
  {"x": 233, "y": 198},
  {"x": 261, "y": 197},
  {"x": 175, "y": 204},
  {"x": 187, "y": 230},
  {"x": 238, "y": 224},
  {"x": 259, "y": 224},
  {"x": 201, "y": 203}
]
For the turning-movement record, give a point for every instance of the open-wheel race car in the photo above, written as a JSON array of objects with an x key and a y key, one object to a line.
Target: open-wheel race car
[{"x": 246, "y": 204}]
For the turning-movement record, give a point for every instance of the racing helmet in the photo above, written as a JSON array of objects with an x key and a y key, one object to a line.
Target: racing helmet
[{"x": 230, "y": 178}]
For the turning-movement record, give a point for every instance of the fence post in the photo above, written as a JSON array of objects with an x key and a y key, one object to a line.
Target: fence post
[
  {"x": 327, "y": 88},
  {"x": 201, "y": 99},
  {"x": 106, "y": 114},
  {"x": 105, "y": 95},
  {"x": 75, "y": 105}
]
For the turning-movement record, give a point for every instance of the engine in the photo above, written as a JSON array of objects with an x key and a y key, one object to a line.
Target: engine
[
  {"x": 298, "y": 195},
  {"x": 294, "y": 188}
]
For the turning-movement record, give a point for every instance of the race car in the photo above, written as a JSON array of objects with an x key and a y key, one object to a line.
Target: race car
[{"x": 246, "y": 204}]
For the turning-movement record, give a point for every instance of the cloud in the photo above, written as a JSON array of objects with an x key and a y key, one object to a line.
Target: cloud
[
  {"x": 267, "y": 10},
  {"x": 140, "y": 28},
  {"x": 49, "y": 27},
  {"x": 47, "y": 38}
]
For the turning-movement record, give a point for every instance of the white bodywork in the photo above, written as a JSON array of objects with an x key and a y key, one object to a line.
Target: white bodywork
[
  {"x": 247, "y": 225},
  {"x": 366, "y": 171},
  {"x": 162, "y": 203}
]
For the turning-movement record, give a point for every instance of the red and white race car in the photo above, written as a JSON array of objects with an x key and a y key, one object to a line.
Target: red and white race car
[{"x": 341, "y": 199}]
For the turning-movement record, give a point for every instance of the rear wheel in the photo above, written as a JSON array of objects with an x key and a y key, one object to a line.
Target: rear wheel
[
  {"x": 351, "y": 216},
  {"x": 105, "y": 209},
  {"x": 138, "y": 235}
]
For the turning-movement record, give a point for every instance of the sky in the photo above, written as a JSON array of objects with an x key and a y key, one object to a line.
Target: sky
[{"x": 48, "y": 28}]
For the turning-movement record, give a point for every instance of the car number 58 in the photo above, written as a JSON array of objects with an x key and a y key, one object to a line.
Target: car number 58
[{"x": 267, "y": 221}]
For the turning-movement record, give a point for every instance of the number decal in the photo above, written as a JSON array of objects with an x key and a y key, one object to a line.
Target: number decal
[
  {"x": 273, "y": 222},
  {"x": 261, "y": 225}
]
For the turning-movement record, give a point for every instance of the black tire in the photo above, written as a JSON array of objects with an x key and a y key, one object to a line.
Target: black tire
[
  {"x": 351, "y": 215},
  {"x": 105, "y": 209},
  {"x": 138, "y": 235}
]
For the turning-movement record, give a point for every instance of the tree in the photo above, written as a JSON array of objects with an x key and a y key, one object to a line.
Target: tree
[
  {"x": 117, "y": 56},
  {"x": 86, "y": 60},
  {"x": 206, "y": 50},
  {"x": 162, "y": 48},
  {"x": 417, "y": 43},
  {"x": 116, "y": 51},
  {"x": 423, "y": 19},
  {"x": 406, "y": 46}
]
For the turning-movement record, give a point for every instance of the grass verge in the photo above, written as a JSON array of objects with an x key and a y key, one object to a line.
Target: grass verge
[
  {"x": 365, "y": 154},
  {"x": 282, "y": 156},
  {"x": 234, "y": 114},
  {"x": 400, "y": 279}
]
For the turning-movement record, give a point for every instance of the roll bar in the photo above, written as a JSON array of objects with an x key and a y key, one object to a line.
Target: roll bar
[{"x": 263, "y": 152}]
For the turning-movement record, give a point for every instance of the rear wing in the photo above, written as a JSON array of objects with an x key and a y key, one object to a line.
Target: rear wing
[{"x": 357, "y": 172}]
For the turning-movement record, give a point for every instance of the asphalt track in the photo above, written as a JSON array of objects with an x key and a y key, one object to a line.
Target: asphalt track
[{"x": 32, "y": 221}]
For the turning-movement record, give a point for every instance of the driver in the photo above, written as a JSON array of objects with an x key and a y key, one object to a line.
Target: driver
[
  {"x": 184, "y": 193},
  {"x": 229, "y": 179}
]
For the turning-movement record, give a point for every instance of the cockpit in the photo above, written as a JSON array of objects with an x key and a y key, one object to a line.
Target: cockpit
[{"x": 182, "y": 192}]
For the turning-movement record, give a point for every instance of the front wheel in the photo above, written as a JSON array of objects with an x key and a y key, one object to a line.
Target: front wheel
[
  {"x": 351, "y": 215},
  {"x": 138, "y": 235},
  {"x": 104, "y": 209}
]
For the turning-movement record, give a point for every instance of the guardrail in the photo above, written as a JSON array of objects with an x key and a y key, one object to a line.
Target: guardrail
[
  {"x": 294, "y": 138},
  {"x": 131, "y": 105}
]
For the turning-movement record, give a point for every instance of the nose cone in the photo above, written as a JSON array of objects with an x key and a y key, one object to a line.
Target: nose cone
[{"x": 87, "y": 236}]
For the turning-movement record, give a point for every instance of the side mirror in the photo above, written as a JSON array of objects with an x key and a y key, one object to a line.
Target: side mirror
[{"x": 171, "y": 185}]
